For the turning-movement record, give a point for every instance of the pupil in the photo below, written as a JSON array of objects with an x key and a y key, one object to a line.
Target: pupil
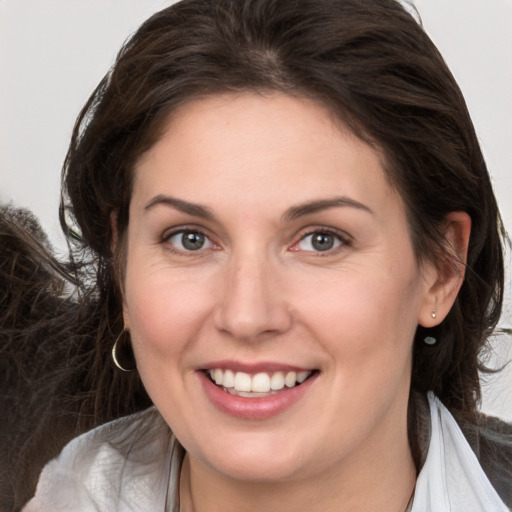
[
  {"x": 323, "y": 242},
  {"x": 192, "y": 241}
]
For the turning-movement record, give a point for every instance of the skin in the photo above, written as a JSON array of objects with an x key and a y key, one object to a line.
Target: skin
[{"x": 258, "y": 291}]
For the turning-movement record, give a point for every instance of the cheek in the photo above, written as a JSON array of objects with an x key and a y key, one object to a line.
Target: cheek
[
  {"x": 364, "y": 316},
  {"x": 163, "y": 310}
]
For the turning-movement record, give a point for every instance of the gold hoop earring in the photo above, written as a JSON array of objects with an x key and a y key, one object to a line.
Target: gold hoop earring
[{"x": 115, "y": 359}]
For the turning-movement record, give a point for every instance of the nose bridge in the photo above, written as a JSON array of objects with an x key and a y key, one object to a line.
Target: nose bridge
[{"x": 251, "y": 303}]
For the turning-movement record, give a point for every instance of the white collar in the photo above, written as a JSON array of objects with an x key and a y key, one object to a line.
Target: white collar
[{"x": 451, "y": 479}]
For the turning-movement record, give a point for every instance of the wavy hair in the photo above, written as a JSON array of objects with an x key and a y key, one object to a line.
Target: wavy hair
[{"x": 373, "y": 66}]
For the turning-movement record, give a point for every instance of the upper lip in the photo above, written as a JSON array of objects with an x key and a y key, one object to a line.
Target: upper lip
[{"x": 254, "y": 367}]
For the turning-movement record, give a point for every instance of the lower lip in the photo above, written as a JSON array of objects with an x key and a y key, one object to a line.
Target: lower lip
[{"x": 254, "y": 408}]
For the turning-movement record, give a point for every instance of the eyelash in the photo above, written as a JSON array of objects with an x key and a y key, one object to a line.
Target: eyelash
[
  {"x": 342, "y": 238},
  {"x": 168, "y": 235}
]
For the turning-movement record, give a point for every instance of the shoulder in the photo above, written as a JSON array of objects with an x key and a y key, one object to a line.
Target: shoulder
[
  {"x": 491, "y": 440},
  {"x": 114, "y": 443},
  {"x": 454, "y": 476},
  {"x": 109, "y": 467},
  {"x": 139, "y": 437}
]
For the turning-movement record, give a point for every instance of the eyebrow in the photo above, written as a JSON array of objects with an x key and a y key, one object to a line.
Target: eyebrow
[
  {"x": 193, "y": 209},
  {"x": 292, "y": 213},
  {"x": 310, "y": 207}
]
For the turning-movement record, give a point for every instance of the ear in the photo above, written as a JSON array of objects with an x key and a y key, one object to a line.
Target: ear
[{"x": 445, "y": 276}]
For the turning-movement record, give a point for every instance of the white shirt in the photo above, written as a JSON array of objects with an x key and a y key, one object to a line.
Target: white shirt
[{"x": 133, "y": 465}]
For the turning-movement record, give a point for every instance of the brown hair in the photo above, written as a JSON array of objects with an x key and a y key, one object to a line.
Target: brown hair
[{"x": 372, "y": 64}]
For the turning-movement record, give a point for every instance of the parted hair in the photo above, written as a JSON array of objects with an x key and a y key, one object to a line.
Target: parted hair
[
  {"x": 373, "y": 66},
  {"x": 371, "y": 63}
]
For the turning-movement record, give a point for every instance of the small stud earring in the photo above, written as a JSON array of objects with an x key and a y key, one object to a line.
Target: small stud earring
[
  {"x": 434, "y": 313},
  {"x": 430, "y": 340}
]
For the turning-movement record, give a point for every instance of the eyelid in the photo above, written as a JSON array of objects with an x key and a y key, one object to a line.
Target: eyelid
[
  {"x": 176, "y": 230},
  {"x": 345, "y": 239}
]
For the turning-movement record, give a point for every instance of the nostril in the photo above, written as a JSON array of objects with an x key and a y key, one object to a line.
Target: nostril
[
  {"x": 252, "y": 324},
  {"x": 250, "y": 303}
]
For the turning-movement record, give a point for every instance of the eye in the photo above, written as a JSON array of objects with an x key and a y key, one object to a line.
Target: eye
[
  {"x": 189, "y": 240},
  {"x": 320, "y": 241}
]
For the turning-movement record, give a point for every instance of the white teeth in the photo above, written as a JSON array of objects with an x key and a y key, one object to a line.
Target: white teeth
[
  {"x": 247, "y": 395},
  {"x": 229, "y": 379},
  {"x": 218, "y": 376},
  {"x": 302, "y": 376},
  {"x": 260, "y": 384},
  {"x": 277, "y": 381},
  {"x": 290, "y": 379},
  {"x": 242, "y": 382}
]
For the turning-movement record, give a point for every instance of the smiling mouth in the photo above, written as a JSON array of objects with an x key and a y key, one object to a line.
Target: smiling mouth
[{"x": 259, "y": 385}]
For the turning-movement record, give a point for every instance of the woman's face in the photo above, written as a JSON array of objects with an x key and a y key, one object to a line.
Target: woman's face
[{"x": 265, "y": 247}]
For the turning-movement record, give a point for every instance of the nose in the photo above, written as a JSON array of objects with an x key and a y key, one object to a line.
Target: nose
[{"x": 251, "y": 305}]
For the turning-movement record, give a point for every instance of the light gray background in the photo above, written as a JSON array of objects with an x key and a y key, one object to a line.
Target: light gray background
[{"x": 54, "y": 52}]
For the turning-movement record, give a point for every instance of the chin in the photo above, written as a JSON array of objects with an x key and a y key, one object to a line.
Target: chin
[
  {"x": 258, "y": 469},
  {"x": 256, "y": 457}
]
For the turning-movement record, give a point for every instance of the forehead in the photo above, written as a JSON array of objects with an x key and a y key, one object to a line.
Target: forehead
[{"x": 235, "y": 146}]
